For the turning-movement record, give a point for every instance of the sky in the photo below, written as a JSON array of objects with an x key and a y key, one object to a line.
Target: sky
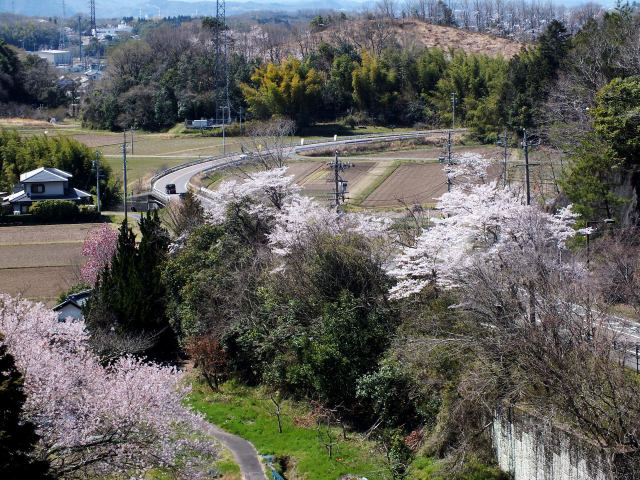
[{"x": 117, "y": 8}]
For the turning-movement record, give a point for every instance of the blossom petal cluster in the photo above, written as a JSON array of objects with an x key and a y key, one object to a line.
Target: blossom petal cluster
[
  {"x": 469, "y": 166},
  {"x": 97, "y": 420},
  {"x": 99, "y": 246},
  {"x": 479, "y": 222},
  {"x": 268, "y": 188},
  {"x": 275, "y": 195}
]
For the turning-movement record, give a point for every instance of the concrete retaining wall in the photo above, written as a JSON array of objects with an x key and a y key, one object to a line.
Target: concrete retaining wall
[{"x": 534, "y": 449}]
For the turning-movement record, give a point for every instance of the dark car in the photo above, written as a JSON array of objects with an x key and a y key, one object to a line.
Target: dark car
[{"x": 170, "y": 188}]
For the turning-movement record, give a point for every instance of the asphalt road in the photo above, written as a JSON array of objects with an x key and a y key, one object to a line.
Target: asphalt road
[
  {"x": 243, "y": 452},
  {"x": 182, "y": 176}
]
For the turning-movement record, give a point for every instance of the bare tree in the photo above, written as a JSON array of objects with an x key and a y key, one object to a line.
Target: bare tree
[
  {"x": 209, "y": 358},
  {"x": 183, "y": 215},
  {"x": 268, "y": 142}
]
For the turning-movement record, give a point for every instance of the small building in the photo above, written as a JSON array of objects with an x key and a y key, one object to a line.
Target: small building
[
  {"x": 56, "y": 57},
  {"x": 44, "y": 183},
  {"x": 72, "y": 306}
]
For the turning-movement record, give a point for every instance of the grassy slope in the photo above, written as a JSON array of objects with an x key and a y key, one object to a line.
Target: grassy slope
[{"x": 250, "y": 414}]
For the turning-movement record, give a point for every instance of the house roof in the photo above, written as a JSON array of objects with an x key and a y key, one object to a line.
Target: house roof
[
  {"x": 76, "y": 299},
  {"x": 45, "y": 174},
  {"x": 22, "y": 196}
]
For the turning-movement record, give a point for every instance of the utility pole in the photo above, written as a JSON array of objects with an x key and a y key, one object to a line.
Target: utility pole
[
  {"x": 504, "y": 142},
  {"x": 80, "y": 36},
  {"x": 525, "y": 145},
  {"x": 449, "y": 162},
  {"x": 224, "y": 121},
  {"x": 124, "y": 163},
  {"x": 454, "y": 98},
  {"x": 340, "y": 185},
  {"x": 132, "y": 129},
  {"x": 97, "y": 163}
]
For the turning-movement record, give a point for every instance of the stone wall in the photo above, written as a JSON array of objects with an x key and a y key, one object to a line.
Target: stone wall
[{"x": 535, "y": 449}]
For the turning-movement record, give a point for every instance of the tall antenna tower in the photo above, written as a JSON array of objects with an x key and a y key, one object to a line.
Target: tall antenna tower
[
  {"x": 92, "y": 6},
  {"x": 63, "y": 40},
  {"x": 223, "y": 110}
]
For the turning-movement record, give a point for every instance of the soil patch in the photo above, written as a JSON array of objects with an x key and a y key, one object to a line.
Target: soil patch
[
  {"x": 98, "y": 140},
  {"x": 411, "y": 184},
  {"x": 37, "y": 255},
  {"x": 44, "y": 283},
  {"x": 46, "y": 233}
]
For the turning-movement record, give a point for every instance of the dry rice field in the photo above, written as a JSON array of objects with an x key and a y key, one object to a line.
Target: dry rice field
[
  {"x": 410, "y": 184},
  {"x": 39, "y": 262},
  {"x": 38, "y": 283},
  {"x": 320, "y": 181}
]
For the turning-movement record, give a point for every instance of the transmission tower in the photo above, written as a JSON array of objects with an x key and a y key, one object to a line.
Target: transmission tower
[
  {"x": 92, "y": 6},
  {"x": 63, "y": 41},
  {"x": 223, "y": 110}
]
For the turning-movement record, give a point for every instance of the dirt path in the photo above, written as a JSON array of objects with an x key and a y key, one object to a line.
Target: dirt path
[{"x": 243, "y": 451}]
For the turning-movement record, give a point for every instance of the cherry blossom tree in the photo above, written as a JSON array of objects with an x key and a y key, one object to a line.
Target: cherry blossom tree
[
  {"x": 276, "y": 197},
  {"x": 97, "y": 421},
  {"x": 481, "y": 223},
  {"x": 99, "y": 247}
]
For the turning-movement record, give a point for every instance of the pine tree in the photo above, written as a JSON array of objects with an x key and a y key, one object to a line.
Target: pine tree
[{"x": 17, "y": 437}]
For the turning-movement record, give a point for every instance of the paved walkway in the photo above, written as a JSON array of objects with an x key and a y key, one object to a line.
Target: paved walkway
[{"x": 243, "y": 451}]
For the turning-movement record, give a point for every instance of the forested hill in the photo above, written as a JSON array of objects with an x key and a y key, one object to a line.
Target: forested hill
[{"x": 411, "y": 33}]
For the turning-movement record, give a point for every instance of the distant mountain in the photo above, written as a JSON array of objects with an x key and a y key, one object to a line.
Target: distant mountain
[
  {"x": 133, "y": 8},
  {"x": 151, "y": 8}
]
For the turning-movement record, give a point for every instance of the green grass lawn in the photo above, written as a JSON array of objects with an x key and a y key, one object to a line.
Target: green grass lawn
[{"x": 250, "y": 414}]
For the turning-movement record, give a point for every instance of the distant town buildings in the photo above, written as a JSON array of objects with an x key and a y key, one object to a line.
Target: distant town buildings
[
  {"x": 122, "y": 29},
  {"x": 56, "y": 57}
]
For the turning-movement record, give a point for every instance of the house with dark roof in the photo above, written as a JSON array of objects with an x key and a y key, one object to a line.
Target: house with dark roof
[
  {"x": 72, "y": 306},
  {"x": 44, "y": 183}
]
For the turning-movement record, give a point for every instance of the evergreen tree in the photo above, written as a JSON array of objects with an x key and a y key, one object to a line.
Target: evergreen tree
[
  {"x": 17, "y": 437},
  {"x": 530, "y": 73},
  {"x": 130, "y": 297}
]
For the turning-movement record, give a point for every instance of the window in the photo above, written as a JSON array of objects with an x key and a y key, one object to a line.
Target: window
[{"x": 37, "y": 188}]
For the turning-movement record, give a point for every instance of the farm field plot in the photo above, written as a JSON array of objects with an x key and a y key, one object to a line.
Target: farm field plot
[
  {"x": 41, "y": 261},
  {"x": 40, "y": 283},
  {"x": 95, "y": 140},
  {"x": 45, "y": 233},
  {"x": 302, "y": 170},
  {"x": 40, "y": 255},
  {"x": 409, "y": 183},
  {"x": 319, "y": 183},
  {"x": 183, "y": 146}
]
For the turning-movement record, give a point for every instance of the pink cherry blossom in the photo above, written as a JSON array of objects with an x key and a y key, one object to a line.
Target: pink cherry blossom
[
  {"x": 480, "y": 223},
  {"x": 99, "y": 247},
  {"x": 97, "y": 421}
]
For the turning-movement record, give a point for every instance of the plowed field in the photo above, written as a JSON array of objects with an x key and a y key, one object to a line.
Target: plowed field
[{"x": 411, "y": 184}]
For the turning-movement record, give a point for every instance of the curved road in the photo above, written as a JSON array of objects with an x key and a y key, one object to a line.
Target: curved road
[{"x": 181, "y": 176}]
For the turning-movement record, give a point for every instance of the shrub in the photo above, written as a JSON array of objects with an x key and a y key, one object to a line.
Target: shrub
[{"x": 53, "y": 210}]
